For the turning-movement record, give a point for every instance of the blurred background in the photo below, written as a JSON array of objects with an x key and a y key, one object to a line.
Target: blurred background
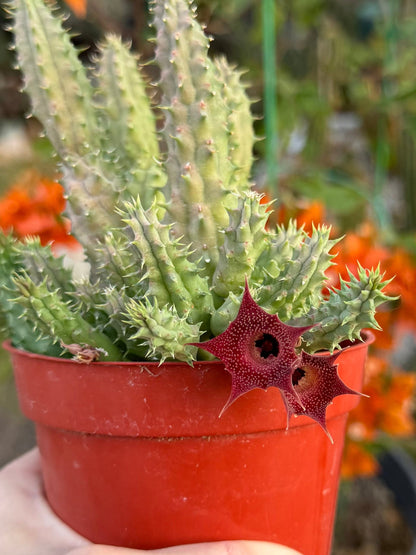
[{"x": 333, "y": 85}]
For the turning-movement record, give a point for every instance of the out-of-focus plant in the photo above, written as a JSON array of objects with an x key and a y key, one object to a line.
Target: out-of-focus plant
[{"x": 346, "y": 107}]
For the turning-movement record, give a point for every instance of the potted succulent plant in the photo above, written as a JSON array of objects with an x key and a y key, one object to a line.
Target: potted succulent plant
[{"x": 137, "y": 424}]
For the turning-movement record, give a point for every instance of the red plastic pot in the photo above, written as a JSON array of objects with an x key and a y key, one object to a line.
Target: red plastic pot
[{"x": 134, "y": 454}]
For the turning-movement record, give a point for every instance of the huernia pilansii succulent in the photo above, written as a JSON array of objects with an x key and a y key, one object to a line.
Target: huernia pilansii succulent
[{"x": 181, "y": 263}]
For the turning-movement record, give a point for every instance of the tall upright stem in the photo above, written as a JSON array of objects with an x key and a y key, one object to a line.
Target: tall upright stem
[{"x": 270, "y": 92}]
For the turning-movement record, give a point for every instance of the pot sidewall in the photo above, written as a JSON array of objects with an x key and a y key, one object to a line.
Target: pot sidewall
[{"x": 160, "y": 468}]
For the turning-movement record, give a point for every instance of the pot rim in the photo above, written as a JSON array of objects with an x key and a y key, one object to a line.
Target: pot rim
[
  {"x": 368, "y": 338},
  {"x": 122, "y": 396}
]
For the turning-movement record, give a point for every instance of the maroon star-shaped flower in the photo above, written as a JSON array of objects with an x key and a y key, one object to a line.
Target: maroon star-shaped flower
[
  {"x": 316, "y": 383},
  {"x": 258, "y": 350}
]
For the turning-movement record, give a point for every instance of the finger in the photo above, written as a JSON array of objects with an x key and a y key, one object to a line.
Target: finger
[{"x": 211, "y": 548}]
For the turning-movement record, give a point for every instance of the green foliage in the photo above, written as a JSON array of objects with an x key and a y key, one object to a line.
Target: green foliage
[{"x": 166, "y": 215}]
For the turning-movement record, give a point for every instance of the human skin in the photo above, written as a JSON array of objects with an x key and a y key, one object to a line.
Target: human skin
[{"x": 28, "y": 526}]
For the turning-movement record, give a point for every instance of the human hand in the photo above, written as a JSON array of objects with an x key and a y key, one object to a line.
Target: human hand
[{"x": 28, "y": 526}]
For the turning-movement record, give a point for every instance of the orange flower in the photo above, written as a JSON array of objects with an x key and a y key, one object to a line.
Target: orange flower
[
  {"x": 34, "y": 206},
  {"x": 396, "y": 419},
  {"x": 403, "y": 267},
  {"x": 50, "y": 195},
  {"x": 389, "y": 410},
  {"x": 364, "y": 247},
  {"x": 306, "y": 214},
  {"x": 389, "y": 406},
  {"x": 312, "y": 214},
  {"x": 385, "y": 336},
  {"x": 12, "y": 206},
  {"x": 79, "y": 7},
  {"x": 357, "y": 461}
]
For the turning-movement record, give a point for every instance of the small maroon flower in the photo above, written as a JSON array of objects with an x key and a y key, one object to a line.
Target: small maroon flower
[
  {"x": 316, "y": 383},
  {"x": 258, "y": 350}
]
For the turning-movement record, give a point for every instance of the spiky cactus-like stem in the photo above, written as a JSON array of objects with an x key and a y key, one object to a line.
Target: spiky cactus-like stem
[
  {"x": 128, "y": 121},
  {"x": 244, "y": 240},
  {"x": 54, "y": 318},
  {"x": 199, "y": 122},
  {"x": 172, "y": 278},
  {"x": 61, "y": 92},
  {"x": 165, "y": 333},
  {"x": 347, "y": 311},
  {"x": 297, "y": 282}
]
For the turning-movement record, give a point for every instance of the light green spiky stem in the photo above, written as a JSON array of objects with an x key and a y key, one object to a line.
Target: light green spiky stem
[
  {"x": 185, "y": 78},
  {"x": 18, "y": 330},
  {"x": 162, "y": 331},
  {"x": 347, "y": 311},
  {"x": 63, "y": 100},
  {"x": 40, "y": 263},
  {"x": 115, "y": 306},
  {"x": 129, "y": 121},
  {"x": 126, "y": 261},
  {"x": 120, "y": 263},
  {"x": 154, "y": 243},
  {"x": 201, "y": 130},
  {"x": 281, "y": 246},
  {"x": 245, "y": 239},
  {"x": 102, "y": 307},
  {"x": 202, "y": 301},
  {"x": 87, "y": 299},
  {"x": 239, "y": 123},
  {"x": 55, "y": 78},
  {"x": 295, "y": 283},
  {"x": 54, "y": 318},
  {"x": 225, "y": 314}
]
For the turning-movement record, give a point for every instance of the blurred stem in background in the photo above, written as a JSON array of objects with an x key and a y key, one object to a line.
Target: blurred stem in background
[
  {"x": 270, "y": 94},
  {"x": 390, "y": 14}
]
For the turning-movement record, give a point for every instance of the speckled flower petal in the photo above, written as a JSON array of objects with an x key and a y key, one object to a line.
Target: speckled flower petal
[
  {"x": 257, "y": 349},
  {"x": 316, "y": 383}
]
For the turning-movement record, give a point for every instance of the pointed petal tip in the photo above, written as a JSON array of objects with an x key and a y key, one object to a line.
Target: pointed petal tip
[
  {"x": 329, "y": 436},
  {"x": 361, "y": 394},
  {"x": 229, "y": 402},
  {"x": 325, "y": 429},
  {"x": 224, "y": 408}
]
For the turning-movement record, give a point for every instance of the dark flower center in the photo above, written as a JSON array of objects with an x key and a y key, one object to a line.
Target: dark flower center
[
  {"x": 267, "y": 345},
  {"x": 297, "y": 375}
]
